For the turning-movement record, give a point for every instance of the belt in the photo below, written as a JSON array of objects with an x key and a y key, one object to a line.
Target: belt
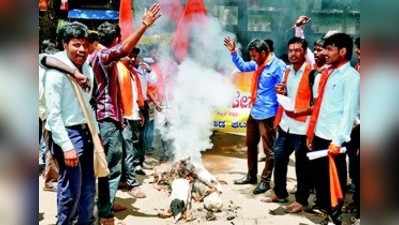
[{"x": 79, "y": 127}]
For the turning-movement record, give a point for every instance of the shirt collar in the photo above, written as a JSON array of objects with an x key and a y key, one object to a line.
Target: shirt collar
[
  {"x": 270, "y": 59},
  {"x": 301, "y": 69},
  {"x": 342, "y": 67}
]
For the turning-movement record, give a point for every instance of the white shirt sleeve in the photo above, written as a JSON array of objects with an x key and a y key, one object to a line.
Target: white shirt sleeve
[
  {"x": 54, "y": 85},
  {"x": 309, "y": 57},
  {"x": 309, "y": 54},
  {"x": 299, "y": 32},
  {"x": 351, "y": 107}
]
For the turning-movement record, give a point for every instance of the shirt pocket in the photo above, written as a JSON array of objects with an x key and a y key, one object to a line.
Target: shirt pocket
[
  {"x": 336, "y": 90},
  {"x": 266, "y": 81}
]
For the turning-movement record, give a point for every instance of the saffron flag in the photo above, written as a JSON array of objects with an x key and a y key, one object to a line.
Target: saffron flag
[
  {"x": 172, "y": 9},
  {"x": 180, "y": 43},
  {"x": 125, "y": 18}
]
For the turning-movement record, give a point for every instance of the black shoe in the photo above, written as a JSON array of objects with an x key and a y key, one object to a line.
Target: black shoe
[
  {"x": 245, "y": 180},
  {"x": 262, "y": 187}
]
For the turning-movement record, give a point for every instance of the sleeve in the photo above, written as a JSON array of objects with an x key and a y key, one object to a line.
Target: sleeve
[
  {"x": 299, "y": 32},
  {"x": 351, "y": 107},
  {"x": 41, "y": 57},
  {"x": 309, "y": 54},
  {"x": 113, "y": 54},
  {"x": 54, "y": 85},
  {"x": 241, "y": 64},
  {"x": 309, "y": 57},
  {"x": 279, "y": 72}
]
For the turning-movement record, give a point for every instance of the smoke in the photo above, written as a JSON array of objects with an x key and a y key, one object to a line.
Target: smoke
[
  {"x": 198, "y": 91},
  {"x": 207, "y": 45},
  {"x": 194, "y": 88}
]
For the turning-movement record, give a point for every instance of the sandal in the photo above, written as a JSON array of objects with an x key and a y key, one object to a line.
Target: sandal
[
  {"x": 116, "y": 207},
  {"x": 294, "y": 207},
  {"x": 274, "y": 199}
]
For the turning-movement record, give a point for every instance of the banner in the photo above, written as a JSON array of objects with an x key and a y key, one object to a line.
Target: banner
[{"x": 233, "y": 120}]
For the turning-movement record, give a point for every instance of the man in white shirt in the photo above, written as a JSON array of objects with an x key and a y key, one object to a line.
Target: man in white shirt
[
  {"x": 332, "y": 119},
  {"x": 292, "y": 127},
  {"x": 72, "y": 144}
]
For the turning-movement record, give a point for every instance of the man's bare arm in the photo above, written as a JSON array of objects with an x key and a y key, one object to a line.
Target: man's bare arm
[
  {"x": 149, "y": 18},
  {"x": 54, "y": 63}
]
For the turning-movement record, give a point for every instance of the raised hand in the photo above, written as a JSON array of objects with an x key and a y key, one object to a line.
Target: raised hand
[
  {"x": 151, "y": 15},
  {"x": 230, "y": 44},
  {"x": 302, "y": 20}
]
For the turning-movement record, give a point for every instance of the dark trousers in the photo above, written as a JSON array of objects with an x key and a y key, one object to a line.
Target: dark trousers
[
  {"x": 111, "y": 135},
  {"x": 320, "y": 170},
  {"x": 133, "y": 151},
  {"x": 354, "y": 162},
  {"x": 76, "y": 185},
  {"x": 285, "y": 144},
  {"x": 260, "y": 130}
]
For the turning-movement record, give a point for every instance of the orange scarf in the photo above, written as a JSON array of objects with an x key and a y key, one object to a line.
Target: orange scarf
[
  {"x": 335, "y": 185},
  {"x": 316, "y": 107},
  {"x": 256, "y": 77},
  {"x": 125, "y": 76},
  {"x": 302, "y": 100},
  {"x": 140, "y": 100}
]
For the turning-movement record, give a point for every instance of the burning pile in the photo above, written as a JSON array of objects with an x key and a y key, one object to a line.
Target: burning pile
[{"x": 185, "y": 182}]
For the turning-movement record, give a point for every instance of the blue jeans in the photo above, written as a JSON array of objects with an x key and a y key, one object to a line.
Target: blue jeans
[
  {"x": 76, "y": 185},
  {"x": 111, "y": 135},
  {"x": 285, "y": 144},
  {"x": 133, "y": 152}
]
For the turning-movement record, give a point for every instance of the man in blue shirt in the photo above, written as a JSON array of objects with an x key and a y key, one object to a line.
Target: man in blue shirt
[{"x": 268, "y": 72}]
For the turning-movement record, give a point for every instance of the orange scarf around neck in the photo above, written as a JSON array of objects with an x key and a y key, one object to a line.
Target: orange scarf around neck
[
  {"x": 125, "y": 84},
  {"x": 256, "y": 77},
  {"x": 302, "y": 100}
]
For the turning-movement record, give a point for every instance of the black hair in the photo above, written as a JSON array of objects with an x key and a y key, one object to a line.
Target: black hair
[
  {"x": 74, "y": 30},
  {"x": 177, "y": 206},
  {"x": 107, "y": 32},
  {"x": 298, "y": 40},
  {"x": 60, "y": 36},
  {"x": 136, "y": 51},
  {"x": 270, "y": 44},
  {"x": 258, "y": 45},
  {"x": 341, "y": 40},
  {"x": 93, "y": 36},
  {"x": 357, "y": 42},
  {"x": 319, "y": 42}
]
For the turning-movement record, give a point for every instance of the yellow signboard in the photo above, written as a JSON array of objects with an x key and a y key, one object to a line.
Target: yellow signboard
[{"x": 234, "y": 119}]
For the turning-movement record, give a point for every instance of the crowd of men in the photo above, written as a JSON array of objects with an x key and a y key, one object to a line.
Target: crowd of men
[
  {"x": 324, "y": 89},
  {"x": 118, "y": 86}
]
